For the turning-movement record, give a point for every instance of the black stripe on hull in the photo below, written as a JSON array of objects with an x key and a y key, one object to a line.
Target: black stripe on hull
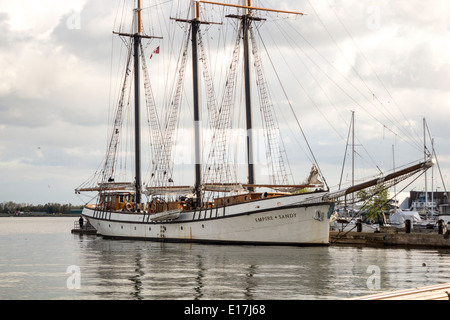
[{"x": 223, "y": 242}]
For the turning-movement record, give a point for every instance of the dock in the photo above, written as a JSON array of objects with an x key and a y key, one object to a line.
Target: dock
[
  {"x": 433, "y": 292},
  {"x": 87, "y": 228},
  {"x": 390, "y": 239}
]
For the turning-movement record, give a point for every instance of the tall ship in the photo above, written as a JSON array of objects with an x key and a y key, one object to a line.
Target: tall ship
[{"x": 217, "y": 206}]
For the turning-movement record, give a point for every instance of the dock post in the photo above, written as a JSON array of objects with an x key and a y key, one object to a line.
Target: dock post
[
  {"x": 407, "y": 226},
  {"x": 442, "y": 227},
  {"x": 358, "y": 225}
]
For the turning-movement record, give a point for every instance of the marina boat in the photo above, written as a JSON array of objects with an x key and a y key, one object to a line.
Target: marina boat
[
  {"x": 216, "y": 207},
  {"x": 398, "y": 217}
]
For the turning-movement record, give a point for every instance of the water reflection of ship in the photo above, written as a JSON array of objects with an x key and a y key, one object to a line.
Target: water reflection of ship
[{"x": 149, "y": 270}]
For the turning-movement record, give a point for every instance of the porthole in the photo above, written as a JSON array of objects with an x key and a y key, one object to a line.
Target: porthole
[
  {"x": 203, "y": 226},
  {"x": 181, "y": 227},
  {"x": 121, "y": 227}
]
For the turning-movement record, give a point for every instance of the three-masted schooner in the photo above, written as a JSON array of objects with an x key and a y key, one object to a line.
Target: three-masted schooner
[{"x": 246, "y": 213}]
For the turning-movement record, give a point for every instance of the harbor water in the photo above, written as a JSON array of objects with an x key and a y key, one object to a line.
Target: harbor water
[{"x": 41, "y": 259}]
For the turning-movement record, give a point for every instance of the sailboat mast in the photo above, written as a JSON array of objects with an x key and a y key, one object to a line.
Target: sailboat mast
[
  {"x": 353, "y": 160},
  {"x": 248, "y": 99},
  {"x": 137, "y": 118},
  {"x": 196, "y": 96},
  {"x": 424, "y": 157}
]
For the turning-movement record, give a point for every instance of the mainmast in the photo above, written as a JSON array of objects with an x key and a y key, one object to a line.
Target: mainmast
[
  {"x": 196, "y": 96},
  {"x": 195, "y": 23},
  {"x": 247, "y": 19}
]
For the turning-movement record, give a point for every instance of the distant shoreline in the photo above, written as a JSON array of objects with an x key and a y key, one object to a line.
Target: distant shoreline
[{"x": 31, "y": 214}]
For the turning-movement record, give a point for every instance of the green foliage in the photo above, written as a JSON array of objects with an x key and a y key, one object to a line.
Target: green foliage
[
  {"x": 375, "y": 200},
  {"x": 11, "y": 207}
]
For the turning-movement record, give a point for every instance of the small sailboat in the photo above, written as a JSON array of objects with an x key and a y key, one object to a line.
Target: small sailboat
[{"x": 216, "y": 207}]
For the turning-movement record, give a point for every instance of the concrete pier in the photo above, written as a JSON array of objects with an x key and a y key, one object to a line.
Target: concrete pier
[{"x": 386, "y": 239}]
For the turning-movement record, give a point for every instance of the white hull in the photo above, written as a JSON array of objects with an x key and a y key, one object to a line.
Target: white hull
[{"x": 286, "y": 220}]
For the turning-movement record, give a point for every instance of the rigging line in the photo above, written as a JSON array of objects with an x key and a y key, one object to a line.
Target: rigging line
[
  {"x": 374, "y": 72},
  {"x": 276, "y": 149},
  {"x": 342, "y": 53},
  {"x": 431, "y": 138},
  {"x": 433, "y": 152},
  {"x": 273, "y": 67},
  {"x": 156, "y": 5},
  {"x": 218, "y": 158},
  {"x": 124, "y": 12},
  {"x": 359, "y": 76},
  {"x": 380, "y": 206},
  {"x": 171, "y": 56},
  {"x": 114, "y": 140},
  {"x": 417, "y": 145},
  {"x": 296, "y": 119},
  {"x": 440, "y": 172},
  {"x": 337, "y": 85},
  {"x": 318, "y": 84},
  {"x": 390, "y": 171},
  {"x": 345, "y": 155}
]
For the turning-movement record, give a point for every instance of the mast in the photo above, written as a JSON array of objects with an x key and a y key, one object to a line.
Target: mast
[
  {"x": 137, "y": 37},
  {"x": 137, "y": 118},
  {"x": 195, "y": 27},
  {"x": 246, "y": 21},
  {"x": 196, "y": 96},
  {"x": 424, "y": 157},
  {"x": 353, "y": 160}
]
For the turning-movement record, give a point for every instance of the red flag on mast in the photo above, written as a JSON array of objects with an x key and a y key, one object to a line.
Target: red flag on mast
[{"x": 156, "y": 51}]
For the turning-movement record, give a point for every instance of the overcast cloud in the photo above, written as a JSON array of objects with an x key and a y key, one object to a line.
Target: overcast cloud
[{"x": 55, "y": 80}]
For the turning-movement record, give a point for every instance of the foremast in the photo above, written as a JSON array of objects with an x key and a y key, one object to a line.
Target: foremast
[
  {"x": 137, "y": 118},
  {"x": 137, "y": 36}
]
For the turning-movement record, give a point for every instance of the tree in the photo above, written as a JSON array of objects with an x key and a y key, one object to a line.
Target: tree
[
  {"x": 50, "y": 208},
  {"x": 375, "y": 201}
]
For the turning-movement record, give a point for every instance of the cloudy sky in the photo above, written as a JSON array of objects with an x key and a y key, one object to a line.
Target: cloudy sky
[{"x": 55, "y": 62}]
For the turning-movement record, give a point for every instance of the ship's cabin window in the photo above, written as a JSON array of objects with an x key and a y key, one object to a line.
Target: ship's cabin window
[{"x": 126, "y": 198}]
